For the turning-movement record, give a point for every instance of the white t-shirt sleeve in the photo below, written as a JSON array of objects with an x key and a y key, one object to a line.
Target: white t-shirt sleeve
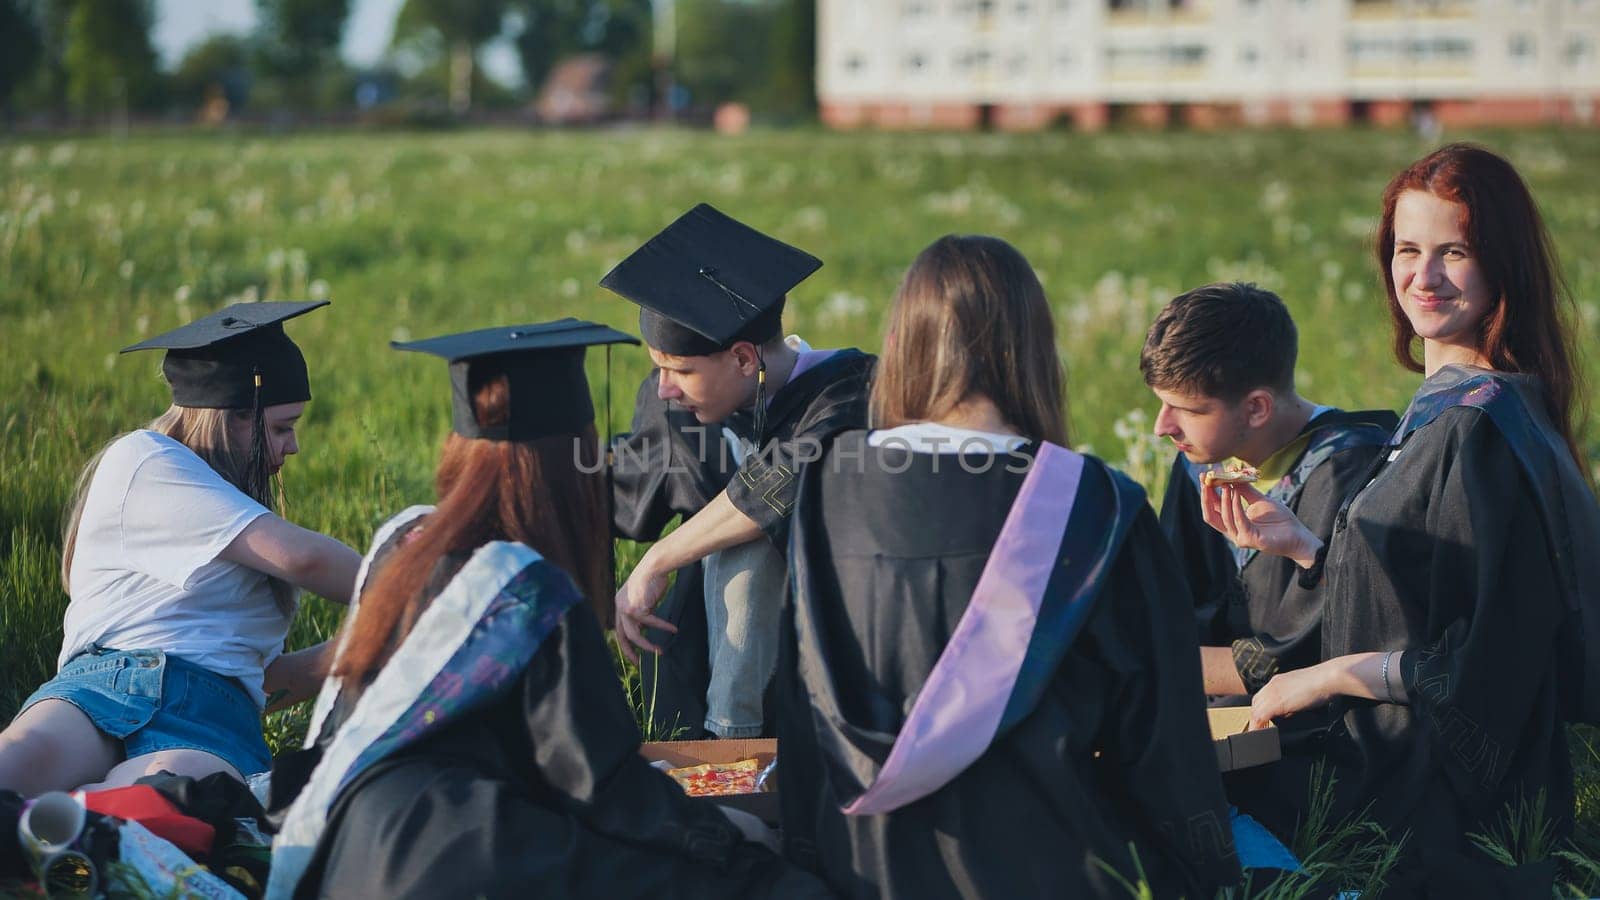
[{"x": 179, "y": 514}]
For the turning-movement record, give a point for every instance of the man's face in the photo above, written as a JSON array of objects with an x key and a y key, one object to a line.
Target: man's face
[
  {"x": 1204, "y": 429},
  {"x": 712, "y": 387}
]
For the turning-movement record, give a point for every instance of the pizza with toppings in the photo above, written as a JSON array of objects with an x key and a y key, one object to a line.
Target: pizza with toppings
[
  {"x": 1232, "y": 473},
  {"x": 718, "y": 779}
]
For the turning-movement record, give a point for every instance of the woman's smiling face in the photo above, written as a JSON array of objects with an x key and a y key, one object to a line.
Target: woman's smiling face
[{"x": 1437, "y": 278}]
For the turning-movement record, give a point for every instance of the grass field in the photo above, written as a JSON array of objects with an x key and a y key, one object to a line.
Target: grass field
[{"x": 105, "y": 242}]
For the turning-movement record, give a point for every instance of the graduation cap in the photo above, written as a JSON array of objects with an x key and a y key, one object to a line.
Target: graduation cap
[
  {"x": 543, "y": 365},
  {"x": 708, "y": 281},
  {"x": 236, "y": 358}
]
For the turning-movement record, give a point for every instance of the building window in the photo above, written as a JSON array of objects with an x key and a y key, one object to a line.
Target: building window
[
  {"x": 1147, "y": 56},
  {"x": 1521, "y": 47},
  {"x": 1249, "y": 56},
  {"x": 1022, "y": 8},
  {"x": 1063, "y": 6},
  {"x": 1580, "y": 51},
  {"x": 1411, "y": 50},
  {"x": 916, "y": 9},
  {"x": 973, "y": 60},
  {"x": 1299, "y": 52},
  {"x": 1017, "y": 64},
  {"x": 916, "y": 62},
  {"x": 854, "y": 63},
  {"x": 1065, "y": 58}
]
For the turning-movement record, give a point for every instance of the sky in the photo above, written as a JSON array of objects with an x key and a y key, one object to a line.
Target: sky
[{"x": 180, "y": 24}]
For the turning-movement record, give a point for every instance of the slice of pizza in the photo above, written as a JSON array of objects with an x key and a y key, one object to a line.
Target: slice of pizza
[
  {"x": 718, "y": 779},
  {"x": 1232, "y": 473}
]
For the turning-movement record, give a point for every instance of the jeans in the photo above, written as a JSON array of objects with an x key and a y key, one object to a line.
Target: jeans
[{"x": 744, "y": 597}]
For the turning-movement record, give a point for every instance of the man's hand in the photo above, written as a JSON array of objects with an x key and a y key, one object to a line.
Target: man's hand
[
  {"x": 636, "y": 604},
  {"x": 1252, "y": 520}
]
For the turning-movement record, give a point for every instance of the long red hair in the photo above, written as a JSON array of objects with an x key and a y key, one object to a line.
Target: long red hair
[
  {"x": 547, "y": 493},
  {"x": 1532, "y": 327}
]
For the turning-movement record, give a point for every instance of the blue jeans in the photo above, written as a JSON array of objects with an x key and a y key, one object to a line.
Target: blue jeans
[
  {"x": 744, "y": 598},
  {"x": 152, "y": 701}
]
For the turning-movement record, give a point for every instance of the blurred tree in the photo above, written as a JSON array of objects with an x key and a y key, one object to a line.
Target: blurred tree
[
  {"x": 21, "y": 47},
  {"x": 219, "y": 66},
  {"x": 791, "y": 76},
  {"x": 109, "y": 62},
  {"x": 46, "y": 89},
  {"x": 618, "y": 29},
  {"x": 300, "y": 43},
  {"x": 463, "y": 26},
  {"x": 723, "y": 49}
]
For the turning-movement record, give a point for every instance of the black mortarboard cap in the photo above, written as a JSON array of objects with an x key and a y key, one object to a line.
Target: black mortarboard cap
[
  {"x": 708, "y": 281},
  {"x": 214, "y": 362},
  {"x": 543, "y": 365}
]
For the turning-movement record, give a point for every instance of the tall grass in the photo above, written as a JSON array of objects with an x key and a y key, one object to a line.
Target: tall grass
[{"x": 103, "y": 243}]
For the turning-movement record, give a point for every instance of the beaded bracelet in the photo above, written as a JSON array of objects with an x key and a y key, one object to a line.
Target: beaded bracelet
[{"x": 1387, "y": 689}]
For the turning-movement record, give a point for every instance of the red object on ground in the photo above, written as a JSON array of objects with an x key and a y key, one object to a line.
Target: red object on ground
[{"x": 144, "y": 804}]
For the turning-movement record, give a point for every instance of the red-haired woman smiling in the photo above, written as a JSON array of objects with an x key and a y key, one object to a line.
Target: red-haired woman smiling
[{"x": 1451, "y": 645}]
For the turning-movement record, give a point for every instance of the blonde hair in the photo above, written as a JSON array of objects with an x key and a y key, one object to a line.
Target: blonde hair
[
  {"x": 970, "y": 318},
  {"x": 204, "y": 431}
]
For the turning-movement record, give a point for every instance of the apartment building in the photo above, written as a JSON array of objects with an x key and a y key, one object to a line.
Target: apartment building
[{"x": 1027, "y": 64}]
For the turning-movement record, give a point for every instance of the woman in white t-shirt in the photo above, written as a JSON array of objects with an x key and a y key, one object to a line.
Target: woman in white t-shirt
[{"x": 182, "y": 580}]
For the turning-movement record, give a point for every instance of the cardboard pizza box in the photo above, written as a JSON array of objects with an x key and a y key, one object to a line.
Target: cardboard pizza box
[
  {"x": 693, "y": 753},
  {"x": 1237, "y": 748}
]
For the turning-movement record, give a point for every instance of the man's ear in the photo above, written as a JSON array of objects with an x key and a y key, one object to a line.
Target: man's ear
[
  {"x": 1259, "y": 405},
  {"x": 746, "y": 358}
]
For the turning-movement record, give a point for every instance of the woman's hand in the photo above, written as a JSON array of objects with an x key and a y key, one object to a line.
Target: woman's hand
[
  {"x": 1291, "y": 692},
  {"x": 1252, "y": 520},
  {"x": 636, "y": 603},
  {"x": 1359, "y": 675}
]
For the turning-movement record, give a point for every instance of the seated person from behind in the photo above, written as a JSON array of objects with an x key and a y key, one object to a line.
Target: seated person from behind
[
  {"x": 975, "y": 698},
  {"x": 474, "y": 740}
]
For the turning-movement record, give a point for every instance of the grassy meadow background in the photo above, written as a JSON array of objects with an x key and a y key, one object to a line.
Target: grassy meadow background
[{"x": 104, "y": 242}]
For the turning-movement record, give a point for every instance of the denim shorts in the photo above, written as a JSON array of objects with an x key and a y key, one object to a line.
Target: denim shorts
[{"x": 152, "y": 701}]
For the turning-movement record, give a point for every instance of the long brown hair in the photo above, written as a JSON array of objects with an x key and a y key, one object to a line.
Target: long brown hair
[
  {"x": 547, "y": 493},
  {"x": 206, "y": 432},
  {"x": 970, "y": 318},
  {"x": 1531, "y": 328}
]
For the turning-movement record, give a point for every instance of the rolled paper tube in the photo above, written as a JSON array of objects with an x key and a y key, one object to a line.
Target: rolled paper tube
[
  {"x": 68, "y": 874},
  {"x": 47, "y": 829},
  {"x": 51, "y": 823}
]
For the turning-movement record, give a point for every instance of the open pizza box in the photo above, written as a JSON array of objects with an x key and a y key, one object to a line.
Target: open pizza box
[
  {"x": 693, "y": 753},
  {"x": 1237, "y": 748}
]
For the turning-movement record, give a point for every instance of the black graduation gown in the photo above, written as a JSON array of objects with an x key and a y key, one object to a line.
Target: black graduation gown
[
  {"x": 670, "y": 465},
  {"x": 1443, "y": 554},
  {"x": 1115, "y": 752},
  {"x": 541, "y": 794},
  {"x": 1260, "y": 610},
  {"x": 802, "y": 417}
]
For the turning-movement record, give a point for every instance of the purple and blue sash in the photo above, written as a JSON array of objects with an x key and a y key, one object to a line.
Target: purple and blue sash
[
  {"x": 467, "y": 646},
  {"x": 1033, "y": 597}
]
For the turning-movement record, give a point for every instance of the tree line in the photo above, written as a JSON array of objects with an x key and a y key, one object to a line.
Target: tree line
[{"x": 86, "y": 59}]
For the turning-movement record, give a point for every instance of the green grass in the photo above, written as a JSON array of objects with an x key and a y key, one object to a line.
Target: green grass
[{"x": 105, "y": 242}]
